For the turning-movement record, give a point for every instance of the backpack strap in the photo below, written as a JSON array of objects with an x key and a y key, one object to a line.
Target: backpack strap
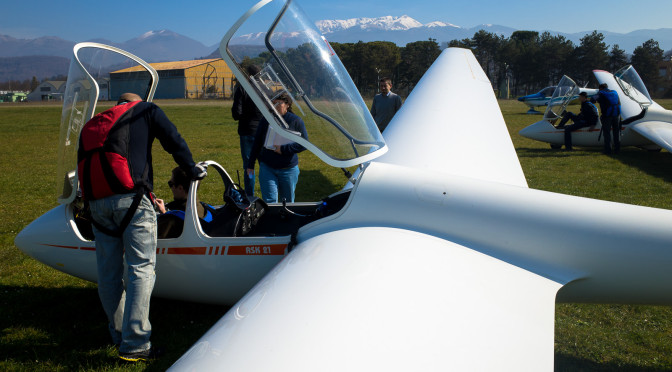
[{"x": 119, "y": 231}]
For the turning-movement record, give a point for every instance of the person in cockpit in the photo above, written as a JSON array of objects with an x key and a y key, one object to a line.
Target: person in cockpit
[
  {"x": 587, "y": 117},
  {"x": 171, "y": 215}
]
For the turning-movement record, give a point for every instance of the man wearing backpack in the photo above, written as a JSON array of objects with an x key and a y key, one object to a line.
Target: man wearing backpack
[
  {"x": 116, "y": 178},
  {"x": 610, "y": 107}
]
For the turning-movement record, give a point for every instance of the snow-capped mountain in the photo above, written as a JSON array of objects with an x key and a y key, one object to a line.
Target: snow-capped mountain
[
  {"x": 399, "y": 30},
  {"x": 387, "y": 23},
  {"x": 165, "y": 45}
]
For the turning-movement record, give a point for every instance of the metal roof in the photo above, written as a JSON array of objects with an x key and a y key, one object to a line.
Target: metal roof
[{"x": 177, "y": 65}]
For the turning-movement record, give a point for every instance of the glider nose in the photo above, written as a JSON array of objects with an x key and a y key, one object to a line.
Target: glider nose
[
  {"x": 539, "y": 131},
  {"x": 51, "y": 239},
  {"x": 44, "y": 236}
]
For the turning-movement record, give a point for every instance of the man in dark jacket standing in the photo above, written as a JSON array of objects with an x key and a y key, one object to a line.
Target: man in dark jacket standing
[
  {"x": 610, "y": 108},
  {"x": 248, "y": 115},
  {"x": 385, "y": 104},
  {"x": 116, "y": 177},
  {"x": 587, "y": 117}
]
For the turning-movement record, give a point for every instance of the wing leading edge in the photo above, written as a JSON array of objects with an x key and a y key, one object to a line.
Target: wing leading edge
[
  {"x": 408, "y": 302},
  {"x": 452, "y": 124},
  {"x": 658, "y": 132}
]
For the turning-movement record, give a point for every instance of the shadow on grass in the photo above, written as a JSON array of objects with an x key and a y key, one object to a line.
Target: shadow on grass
[
  {"x": 657, "y": 164},
  {"x": 529, "y": 152},
  {"x": 568, "y": 363},
  {"x": 312, "y": 185},
  {"x": 66, "y": 328}
]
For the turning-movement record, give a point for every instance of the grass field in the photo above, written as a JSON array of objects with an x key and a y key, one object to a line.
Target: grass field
[{"x": 51, "y": 321}]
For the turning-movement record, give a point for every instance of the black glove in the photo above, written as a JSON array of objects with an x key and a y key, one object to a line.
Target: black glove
[{"x": 200, "y": 171}]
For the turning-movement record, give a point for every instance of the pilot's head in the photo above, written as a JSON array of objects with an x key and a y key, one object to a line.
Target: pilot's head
[
  {"x": 252, "y": 69},
  {"x": 583, "y": 96},
  {"x": 128, "y": 97},
  {"x": 604, "y": 86},
  {"x": 179, "y": 184},
  {"x": 385, "y": 85}
]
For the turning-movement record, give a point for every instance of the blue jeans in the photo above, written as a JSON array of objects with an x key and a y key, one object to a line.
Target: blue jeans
[
  {"x": 277, "y": 184},
  {"x": 127, "y": 310},
  {"x": 246, "y": 143}
]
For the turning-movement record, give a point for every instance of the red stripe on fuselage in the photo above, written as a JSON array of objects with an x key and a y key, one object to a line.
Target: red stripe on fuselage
[
  {"x": 188, "y": 250},
  {"x": 234, "y": 250},
  {"x": 61, "y": 246}
]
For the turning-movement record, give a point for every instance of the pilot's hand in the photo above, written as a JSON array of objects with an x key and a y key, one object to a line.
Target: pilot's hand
[
  {"x": 277, "y": 150},
  {"x": 200, "y": 171},
  {"x": 161, "y": 205}
]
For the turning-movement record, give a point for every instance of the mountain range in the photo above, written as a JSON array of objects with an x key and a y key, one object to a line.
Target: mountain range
[{"x": 19, "y": 61}]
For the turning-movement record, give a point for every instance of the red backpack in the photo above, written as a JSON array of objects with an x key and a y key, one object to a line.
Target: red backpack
[{"x": 102, "y": 161}]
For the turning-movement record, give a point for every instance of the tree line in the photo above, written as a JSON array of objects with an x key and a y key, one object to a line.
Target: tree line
[
  {"x": 27, "y": 85},
  {"x": 527, "y": 60}
]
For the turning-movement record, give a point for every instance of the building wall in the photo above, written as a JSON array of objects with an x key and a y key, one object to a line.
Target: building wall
[
  {"x": 207, "y": 80},
  {"x": 135, "y": 82},
  {"x": 170, "y": 86},
  {"x": 48, "y": 91},
  {"x": 210, "y": 80}
]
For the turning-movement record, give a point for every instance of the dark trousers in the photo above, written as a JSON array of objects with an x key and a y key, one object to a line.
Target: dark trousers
[
  {"x": 578, "y": 124},
  {"x": 611, "y": 124}
]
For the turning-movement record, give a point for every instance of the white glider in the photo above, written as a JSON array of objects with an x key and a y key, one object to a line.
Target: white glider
[
  {"x": 438, "y": 258},
  {"x": 442, "y": 259},
  {"x": 645, "y": 123}
]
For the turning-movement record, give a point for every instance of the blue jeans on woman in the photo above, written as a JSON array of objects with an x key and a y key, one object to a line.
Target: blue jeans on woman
[
  {"x": 277, "y": 184},
  {"x": 127, "y": 310},
  {"x": 246, "y": 143}
]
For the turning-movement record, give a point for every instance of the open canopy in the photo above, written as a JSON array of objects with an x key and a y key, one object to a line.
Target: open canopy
[
  {"x": 294, "y": 57},
  {"x": 565, "y": 92},
  {"x": 633, "y": 86},
  {"x": 91, "y": 63}
]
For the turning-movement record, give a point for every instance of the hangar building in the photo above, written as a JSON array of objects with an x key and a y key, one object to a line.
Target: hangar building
[
  {"x": 201, "y": 78},
  {"x": 48, "y": 91}
]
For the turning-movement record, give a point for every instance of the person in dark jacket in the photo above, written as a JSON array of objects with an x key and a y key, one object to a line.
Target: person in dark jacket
[
  {"x": 248, "y": 115},
  {"x": 129, "y": 127},
  {"x": 587, "y": 117},
  {"x": 385, "y": 104},
  {"x": 610, "y": 108},
  {"x": 278, "y": 162},
  {"x": 171, "y": 215}
]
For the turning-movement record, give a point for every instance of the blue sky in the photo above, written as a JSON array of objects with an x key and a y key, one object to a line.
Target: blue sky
[{"x": 207, "y": 21}]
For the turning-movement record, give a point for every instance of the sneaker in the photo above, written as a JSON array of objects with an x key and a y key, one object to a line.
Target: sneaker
[{"x": 145, "y": 355}]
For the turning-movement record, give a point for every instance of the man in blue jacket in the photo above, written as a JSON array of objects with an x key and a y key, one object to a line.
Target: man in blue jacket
[{"x": 610, "y": 108}]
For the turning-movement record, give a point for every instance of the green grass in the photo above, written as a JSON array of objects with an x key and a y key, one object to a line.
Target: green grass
[{"x": 51, "y": 321}]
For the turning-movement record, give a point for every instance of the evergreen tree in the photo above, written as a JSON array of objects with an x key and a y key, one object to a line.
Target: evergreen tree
[
  {"x": 34, "y": 83},
  {"x": 416, "y": 58},
  {"x": 590, "y": 55},
  {"x": 521, "y": 54},
  {"x": 617, "y": 58},
  {"x": 645, "y": 59},
  {"x": 555, "y": 53}
]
